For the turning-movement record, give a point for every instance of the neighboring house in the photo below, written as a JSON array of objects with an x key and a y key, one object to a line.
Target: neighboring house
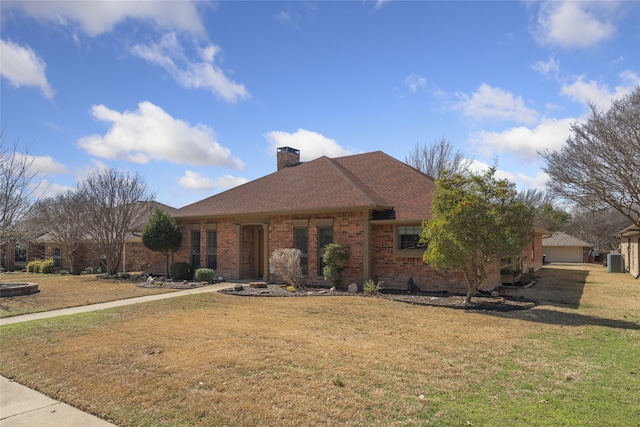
[
  {"x": 561, "y": 247},
  {"x": 136, "y": 257},
  {"x": 630, "y": 249},
  {"x": 370, "y": 203}
]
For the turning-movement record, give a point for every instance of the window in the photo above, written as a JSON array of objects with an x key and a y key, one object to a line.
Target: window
[
  {"x": 409, "y": 237},
  {"x": 56, "y": 258},
  {"x": 325, "y": 236},
  {"x": 195, "y": 250},
  {"x": 212, "y": 250},
  {"x": 301, "y": 242},
  {"x": 19, "y": 256}
]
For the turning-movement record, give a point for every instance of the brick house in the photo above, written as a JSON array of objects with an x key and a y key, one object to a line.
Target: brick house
[
  {"x": 15, "y": 255},
  {"x": 370, "y": 203},
  {"x": 630, "y": 249}
]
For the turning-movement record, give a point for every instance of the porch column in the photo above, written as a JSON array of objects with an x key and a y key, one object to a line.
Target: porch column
[
  {"x": 238, "y": 268},
  {"x": 366, "y": 245},
  {"x": 265, "y": 273}
]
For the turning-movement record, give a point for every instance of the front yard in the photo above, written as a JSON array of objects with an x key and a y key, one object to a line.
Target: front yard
[
  {"x": 216, "y": 359},
  {"x": 58, "y": 291}
]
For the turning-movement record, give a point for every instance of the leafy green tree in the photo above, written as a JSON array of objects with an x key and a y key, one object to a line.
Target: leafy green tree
[
  {"x": 477, "y": 221},
  {"x": 161, "y": 234}
]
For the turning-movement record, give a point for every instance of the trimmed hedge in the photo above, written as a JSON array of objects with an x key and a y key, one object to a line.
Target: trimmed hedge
[
  {"x": 205, "y": 275},
  {"x": 181, "y": 271}
]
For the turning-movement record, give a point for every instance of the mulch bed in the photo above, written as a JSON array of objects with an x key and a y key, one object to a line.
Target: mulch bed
[{"x": 479, "y": 302}]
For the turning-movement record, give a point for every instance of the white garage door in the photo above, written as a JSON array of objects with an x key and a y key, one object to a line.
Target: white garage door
[{"x": 562, "y": 254}]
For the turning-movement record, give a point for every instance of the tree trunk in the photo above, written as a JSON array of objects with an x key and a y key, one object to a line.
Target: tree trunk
[
  {"x": 472, "y": 289},
  {"x": 167, "y": 263}
]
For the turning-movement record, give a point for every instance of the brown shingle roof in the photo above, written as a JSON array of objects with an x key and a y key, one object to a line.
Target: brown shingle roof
[
  {"x": 562, "y": 239},
  {"x": 371, "y": 180}
]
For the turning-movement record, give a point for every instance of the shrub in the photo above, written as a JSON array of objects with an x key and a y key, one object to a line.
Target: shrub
[
  {"x": 63, "y": 272},
  {"x": 286, "y": 265},
  {"x": 335, "y": 259},
  {"x": 205, "y": 275},
  {"x": 88, "y": 270},
  {"x": 47, "y": 266},
  {"x": 181, "y": 271},
  {"x": 34, "y": 266},
  {"x": 371, "y": 287}
]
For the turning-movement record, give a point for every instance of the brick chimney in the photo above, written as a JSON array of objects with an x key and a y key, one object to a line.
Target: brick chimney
[{"x": 288, "y": 157}]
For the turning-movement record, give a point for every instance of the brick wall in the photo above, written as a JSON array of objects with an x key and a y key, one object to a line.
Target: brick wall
[
  {"x": 395, "y": 272},
  {"x": 226, "y": 235},
  {"x": 139, "y": 258}
]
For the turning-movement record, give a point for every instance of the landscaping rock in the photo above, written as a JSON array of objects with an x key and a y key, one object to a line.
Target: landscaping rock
[
  {"x": 258, "y": 285},
  {"x": 353, "y": 288},
  {"x": 238, "y": 287},
  {"x": 495, "y": 294}
]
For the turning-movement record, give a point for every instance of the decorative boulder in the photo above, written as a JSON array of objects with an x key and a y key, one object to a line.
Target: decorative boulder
[
  {"x": 353, "y": 288},
  {"x": 258, "y": 285},
  {"x": 238, "y": 287}
]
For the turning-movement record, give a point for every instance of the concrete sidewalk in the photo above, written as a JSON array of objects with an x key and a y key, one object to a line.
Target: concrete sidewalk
[
  {"x": 21, "y": 406},
  {"x": 110, "y": 304}
]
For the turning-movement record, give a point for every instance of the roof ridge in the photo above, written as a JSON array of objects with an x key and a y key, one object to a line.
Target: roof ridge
[{"x": 358, "y": 183}]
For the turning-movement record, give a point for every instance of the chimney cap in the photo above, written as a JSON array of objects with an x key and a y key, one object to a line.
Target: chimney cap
[{"x": 288, "y": 150}]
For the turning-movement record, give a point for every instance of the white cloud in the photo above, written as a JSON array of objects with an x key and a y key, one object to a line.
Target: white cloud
[
  {"x": 195, "y": 181},
  {"x": 522, "y": 180},
  {"x": 311, "y": 144},
  {"x": 572, "y": 23},
  {"x": 551, "y": 67},
  {"x": 149, "y": 133},
  {"x": 591, "y": 91},
  {"x": 496, "y": 104},
  {"x": 523, "y": 142},
  {"x": 45, "y": 165},
  {"x": 380, "y": 3},
  {"x": 200, "y": 74},
  {"x": 284, "y": 17},
  {"x": 44, "y": 189},
  {"x": 98, "y": 17},
  {"x": 23, "y": 67},
  {"x": 415, "y": 82}
]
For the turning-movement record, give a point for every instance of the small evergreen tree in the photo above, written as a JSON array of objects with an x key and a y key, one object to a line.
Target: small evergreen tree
[
  {"x": 161, "y": 234},
  {"x": 335, "y": 258}
]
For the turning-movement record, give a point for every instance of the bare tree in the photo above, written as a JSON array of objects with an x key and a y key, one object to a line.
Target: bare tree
[
  {"x": 61, "y": 219},
  {"x": 16, "y": 192},
  {"x": 597, "y": 227},
  {"x": 547, "y": 213},
  {"x": 437, "y": 159},
  {"x": 111, "y": 204},
  {"x": 598, "y": 167}
]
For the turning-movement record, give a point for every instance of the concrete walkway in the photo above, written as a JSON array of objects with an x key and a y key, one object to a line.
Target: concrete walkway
[{"x": 21, "y": 406}]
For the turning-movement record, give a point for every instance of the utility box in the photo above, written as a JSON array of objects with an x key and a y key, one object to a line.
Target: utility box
[{"x": 615, "y": 263}]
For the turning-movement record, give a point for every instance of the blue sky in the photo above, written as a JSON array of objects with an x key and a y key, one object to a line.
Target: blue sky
[{"x": 196, "y": 96}]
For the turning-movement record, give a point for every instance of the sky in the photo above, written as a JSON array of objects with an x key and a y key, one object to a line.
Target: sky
[{"x": 196, "y": 96}]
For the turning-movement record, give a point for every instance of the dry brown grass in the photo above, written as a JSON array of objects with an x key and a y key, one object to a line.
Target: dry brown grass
[
  {"x": 217, "y": 359},
  {"x": 58, "y": 291}
]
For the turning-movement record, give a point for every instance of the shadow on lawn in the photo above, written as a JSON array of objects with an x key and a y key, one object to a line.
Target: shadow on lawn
[
  {"x": 552, "y": 317},
  {"x": 556, "y": 286}
]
